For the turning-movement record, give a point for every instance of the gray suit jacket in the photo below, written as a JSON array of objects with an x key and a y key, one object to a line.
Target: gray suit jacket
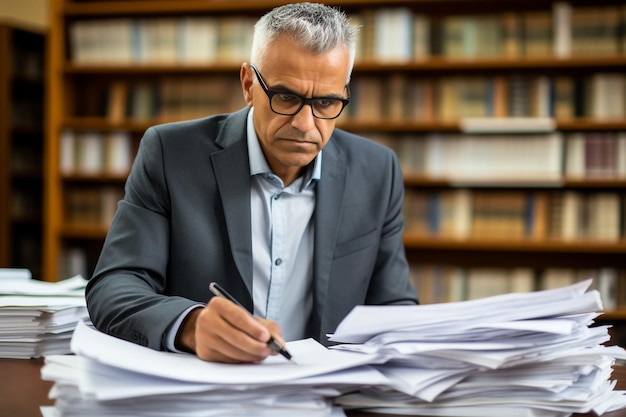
[{"x": 185, "y": 221}]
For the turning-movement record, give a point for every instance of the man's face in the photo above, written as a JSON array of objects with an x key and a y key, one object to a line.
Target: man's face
[{"x": 292, "y": 142}]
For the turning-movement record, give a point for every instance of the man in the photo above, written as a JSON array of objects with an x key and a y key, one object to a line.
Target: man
[{"x": 297, "y": 220}]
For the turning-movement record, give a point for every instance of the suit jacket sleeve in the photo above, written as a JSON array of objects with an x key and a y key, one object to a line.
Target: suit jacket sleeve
[{"x": 125, "y": 295}]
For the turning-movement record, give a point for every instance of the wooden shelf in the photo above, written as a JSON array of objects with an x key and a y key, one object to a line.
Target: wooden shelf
[
  {"x": 440, "y": 64},
  {"x": 611, "y": 315},
  {"x": 418, "y": 241},
  {"x": 159, "y": 7},
  {"x": 398, "y": 126},
  {"x": 104, "y": 178},
  {"x": 92, "y": 232},
  {"x": 414, "y": 67},
  {"x": 420, "y": 180}
]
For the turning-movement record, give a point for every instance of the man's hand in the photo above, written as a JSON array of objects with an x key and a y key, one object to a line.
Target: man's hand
[{"x": 224, "y": 332}]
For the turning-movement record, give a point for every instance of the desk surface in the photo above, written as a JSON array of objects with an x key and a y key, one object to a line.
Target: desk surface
[{"x": 22, "y": 391}]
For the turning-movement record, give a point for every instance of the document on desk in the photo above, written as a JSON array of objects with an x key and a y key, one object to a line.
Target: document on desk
[
  {"x": 518, "y": 354},
  {"x": 37, "y": 318},
  {"x": 313, "y": 359},
  {"x": 109, "y": 376},
  {"x": 365, "y": 322}
]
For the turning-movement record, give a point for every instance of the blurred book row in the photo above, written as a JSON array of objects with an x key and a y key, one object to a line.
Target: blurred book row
[
  {"x": 539, "y": 215},
  {"x": 387, "y": 34},
  {"x": 448, "y": 283},
  {"x": 401, "y": 34},
  {"x": 396, "y": 97},
  {"x": 399, "y": 96},
  {"x": 498, "y": 157}
]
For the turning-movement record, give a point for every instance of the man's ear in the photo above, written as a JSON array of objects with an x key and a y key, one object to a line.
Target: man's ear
[{"x": 246, "y": 78}]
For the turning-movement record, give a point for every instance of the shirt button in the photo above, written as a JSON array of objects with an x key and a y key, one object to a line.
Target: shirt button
[
  {"x": 278, "y": 261},
  {"x": 276, "y": 196}
]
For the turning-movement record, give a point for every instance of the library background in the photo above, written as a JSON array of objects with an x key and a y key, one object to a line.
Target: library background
[{"x": 508, "y": 117}]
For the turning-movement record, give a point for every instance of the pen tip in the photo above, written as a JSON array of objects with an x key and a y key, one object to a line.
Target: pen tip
[{"x": 292, "y": 361}]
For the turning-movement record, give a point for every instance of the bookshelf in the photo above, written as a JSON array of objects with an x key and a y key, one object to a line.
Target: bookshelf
[
  {"x": 21, "y": 146},
  {"x": 416, "y": 83}
]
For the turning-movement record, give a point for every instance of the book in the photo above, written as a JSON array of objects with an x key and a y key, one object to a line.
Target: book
[
  {"x": 562, "y": 24},
  {"x": 119, "y": 154},
  {"x": 90, "y": 153},
  {"x": 198, "y": 37},
  {"x": 393, "y": 34}
]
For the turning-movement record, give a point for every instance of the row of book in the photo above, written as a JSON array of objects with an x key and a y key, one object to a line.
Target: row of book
[
  {"x": 531, "y": 157},
  {"x": 401, "y": 34},
  {"x": 96, "y": 153},
  {"x": 398, "y": 96},
  {"x": 92, "y": 206},
  {"x": 190, "y": 39},
  {"x": 516, "y": 214},
  {"x": 457, "y": 157},
  {"x": 396, "y": 34},
  {"x": 172, "y": 99},
  {"x": 450, "y": 98},
  {"x": 466, "y": 158},
  {"x": 448, "y": 283}
]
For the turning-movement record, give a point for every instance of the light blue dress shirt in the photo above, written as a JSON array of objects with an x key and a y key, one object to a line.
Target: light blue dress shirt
[{"x": 282, "y": 241}]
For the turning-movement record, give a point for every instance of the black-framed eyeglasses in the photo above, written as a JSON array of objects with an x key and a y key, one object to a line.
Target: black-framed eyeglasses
[{"x": 288, "y": 103}]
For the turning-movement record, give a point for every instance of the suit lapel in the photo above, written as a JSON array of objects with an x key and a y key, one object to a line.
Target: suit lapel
[
  {"x": 232, "y": 173},
  {"x": 328, "y": 211}
]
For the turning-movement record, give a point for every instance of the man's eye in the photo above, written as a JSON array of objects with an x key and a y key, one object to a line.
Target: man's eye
[
  {"x": 286, "y": 97},
  {"x": 326, "y": 102}
]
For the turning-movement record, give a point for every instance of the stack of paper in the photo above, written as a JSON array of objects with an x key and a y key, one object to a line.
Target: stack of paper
[
  {"x": 110, "y": 376},
  {"x": 518, "y": 354},
  {"x": 514, "y": 355},
  {"x": 37, "y": 318}
]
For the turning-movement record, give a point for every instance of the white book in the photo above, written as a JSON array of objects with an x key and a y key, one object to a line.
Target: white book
[
  {"x": 90, "y": 155},
  {"x": 556, "y": 278},
  {"x": 608, "y": 100},
  {"x": 117, "y": 41},
  {"x": 575, "y": 155},
  {"x": 553, "y": 155},
  {"x": 457, "y": 284},
  {"x": 572, "y": 215},
  {"x": 521, "y": 280},
  {"x": 158, "y": 40},
  {"x": 462, "y": 213},
  {"x": 542, "y": 96},
  {"x": 507, "y": 124},
  {"x": 198, "y": 39},
  {"x": 119, "y": 158},
  {"x": 606, "y": 283},
  {"x": 486, "y": 282},
  {"x": 393, "y": 34},
  {"x": 67, "y": 152},
  {"x": 604, "y": 216},
  {"x": 77, "y": 34},
  {"x": 562, "y": 29}
]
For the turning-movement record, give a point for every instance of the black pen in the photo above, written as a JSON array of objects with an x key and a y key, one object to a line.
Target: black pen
[{"x": 218, "y": 291}]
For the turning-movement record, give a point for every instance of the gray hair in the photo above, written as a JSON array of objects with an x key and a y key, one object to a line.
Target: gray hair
[{"x": 316, "y": 27}]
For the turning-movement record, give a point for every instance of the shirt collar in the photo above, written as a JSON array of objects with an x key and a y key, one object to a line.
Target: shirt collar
[{"x": 258, "y": 164}]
